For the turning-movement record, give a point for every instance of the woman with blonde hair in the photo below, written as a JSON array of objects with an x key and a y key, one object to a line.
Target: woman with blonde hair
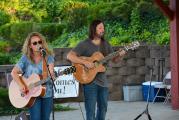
[{"x": 31, "y": 62}]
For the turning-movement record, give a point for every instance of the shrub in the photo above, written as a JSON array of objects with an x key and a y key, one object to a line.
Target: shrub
[
  {"x": 16, "y": 33},
  {"x": 19, "y": 32},
  {"x": 74, "y": 14},
  {"x": 4, "y": 45},
  {"x": 163, "y": 38},
  {"x": 4, "y": 58},
  {"x": 51, "y": 30},
  {"x": 70, "y": 39},
  {"x": 5, "y": 31},
  {"x": 4, "y": 18},
  {"x": 4, "y": 101}
]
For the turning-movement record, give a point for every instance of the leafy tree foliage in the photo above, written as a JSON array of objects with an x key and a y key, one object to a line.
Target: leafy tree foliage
[{"x": 65, "y": 22}]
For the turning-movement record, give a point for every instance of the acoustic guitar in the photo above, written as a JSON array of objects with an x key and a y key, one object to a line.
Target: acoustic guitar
[
  {"x": 35, "y": 87},
  {"x": 85, "y": 75}
]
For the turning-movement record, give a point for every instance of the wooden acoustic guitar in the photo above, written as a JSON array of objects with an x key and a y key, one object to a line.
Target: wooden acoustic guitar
[
  {"x": 35, "y": 87},
  {"x": 85, "y": 75}
]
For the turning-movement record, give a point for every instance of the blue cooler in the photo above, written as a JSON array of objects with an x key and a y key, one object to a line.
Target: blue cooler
[{"x": 145, "y": 87}]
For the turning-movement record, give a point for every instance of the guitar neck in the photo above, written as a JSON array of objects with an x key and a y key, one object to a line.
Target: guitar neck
[
  {"x": 41, "y": 82},
  {"x": 112, "y": 55}
]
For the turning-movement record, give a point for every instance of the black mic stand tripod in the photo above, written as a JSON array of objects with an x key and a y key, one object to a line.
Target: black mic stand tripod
[
  {"x": 53, "y": 84},
  {"x": 146, "y": 111}
]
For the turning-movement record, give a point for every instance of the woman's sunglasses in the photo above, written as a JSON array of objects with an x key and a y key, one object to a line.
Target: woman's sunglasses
[{"x": 35, "y": 43}]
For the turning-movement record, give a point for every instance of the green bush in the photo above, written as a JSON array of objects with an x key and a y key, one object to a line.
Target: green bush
[
  {"x": 9, "y": 58},
  {"x": 116, "y": 33},
  {"x": 74, "y": 14},
  {"x": 53, "y": 9},
  {"x": 163, "y": 38},
  {"x": 15, "y": 56},
  {"x": 125, "y": 21},
  {"x": 5, "y": 31},
  {"x": 25, "y": 15},
  {"x": 19, "y": 32},
  {"x": 16, "y": 33},
  {"x": 70, "y": 39},
  {"x": 4, "y": 18},
  {"x": 4, "y": 58},
  {"x": 5, "y": 106},
  {"x": 4, "y": 101},
  {"x": 51, "y": 30},
  {"x": 4, "y": 45}
]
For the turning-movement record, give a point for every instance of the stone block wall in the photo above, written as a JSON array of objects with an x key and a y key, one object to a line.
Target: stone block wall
[{"x": 132, "y": 69}]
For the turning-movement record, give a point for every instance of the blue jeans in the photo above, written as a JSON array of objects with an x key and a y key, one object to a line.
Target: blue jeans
[
  {"x": 93, "y": 94},
  {"x": 41, "y": 109}
]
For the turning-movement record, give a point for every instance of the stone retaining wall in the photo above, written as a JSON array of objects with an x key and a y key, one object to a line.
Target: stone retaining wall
[{"x": 132, "y": 69}]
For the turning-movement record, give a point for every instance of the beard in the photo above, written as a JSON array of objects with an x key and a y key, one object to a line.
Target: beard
[{"x": 100, "y": 35}]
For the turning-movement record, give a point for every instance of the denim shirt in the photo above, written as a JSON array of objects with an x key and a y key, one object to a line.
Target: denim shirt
[{"x": 28, "y": 68}]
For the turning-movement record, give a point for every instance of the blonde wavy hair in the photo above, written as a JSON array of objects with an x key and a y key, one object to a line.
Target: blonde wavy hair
[{"x": 26, "y": 47}]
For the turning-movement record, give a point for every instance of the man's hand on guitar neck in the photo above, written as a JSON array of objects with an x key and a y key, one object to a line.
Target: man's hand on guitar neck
[
  {"x": 122, "y": 52},
  {"x": 120, "y": 56}
]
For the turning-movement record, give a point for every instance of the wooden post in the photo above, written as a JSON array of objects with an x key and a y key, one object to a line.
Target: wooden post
[{"x": 171, "y": 12}]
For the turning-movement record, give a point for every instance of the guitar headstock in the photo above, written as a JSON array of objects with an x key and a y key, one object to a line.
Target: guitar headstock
[
  {"x": 69, "y": 70},
  {"x": 132, "y": 46}
]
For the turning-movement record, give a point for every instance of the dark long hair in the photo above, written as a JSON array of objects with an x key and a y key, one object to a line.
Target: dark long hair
[
  {"x": 92, "y": 33},
  {"x": 92, "y": 29}
]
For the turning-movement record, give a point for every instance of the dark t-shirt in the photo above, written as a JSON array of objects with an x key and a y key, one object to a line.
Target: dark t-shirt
[{"x": 87, "y": 48}]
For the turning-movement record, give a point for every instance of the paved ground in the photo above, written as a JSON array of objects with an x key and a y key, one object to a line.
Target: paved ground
[{"x": 120, "y": 110}]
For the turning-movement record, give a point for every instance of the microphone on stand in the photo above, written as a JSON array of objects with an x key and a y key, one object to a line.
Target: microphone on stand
[{"x": 42, "y": 50}]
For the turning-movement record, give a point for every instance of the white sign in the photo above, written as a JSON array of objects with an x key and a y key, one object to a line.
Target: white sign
[{"x": 66, "y": 85}]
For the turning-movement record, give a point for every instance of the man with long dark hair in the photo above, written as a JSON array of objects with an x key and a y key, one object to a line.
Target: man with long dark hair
[{"x": 96, "y": 91}]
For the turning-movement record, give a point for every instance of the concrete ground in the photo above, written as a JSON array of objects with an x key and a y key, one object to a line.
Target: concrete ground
[{"x": 119, "y": 110}]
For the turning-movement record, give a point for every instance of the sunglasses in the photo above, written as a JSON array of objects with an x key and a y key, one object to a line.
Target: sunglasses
[{"x": 35, "y": 43}]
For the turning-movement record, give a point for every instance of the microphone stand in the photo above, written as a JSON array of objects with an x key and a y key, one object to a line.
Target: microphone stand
[
  {"x": 53, "y": 84},
  {"x": 146, "y": 111}
]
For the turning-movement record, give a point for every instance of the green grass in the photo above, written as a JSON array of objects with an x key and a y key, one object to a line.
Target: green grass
[
  {"x": 59, "y": 107},
  {"x": 10, "y": 110}
]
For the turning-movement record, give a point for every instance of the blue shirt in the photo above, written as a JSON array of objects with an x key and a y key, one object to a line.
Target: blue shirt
[{"x": 28, "y": 68}]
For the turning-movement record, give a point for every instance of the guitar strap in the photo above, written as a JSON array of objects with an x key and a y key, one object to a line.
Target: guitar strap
[
  {"x": 103, "y": 48},
  {"x": 44, "y": 69}
]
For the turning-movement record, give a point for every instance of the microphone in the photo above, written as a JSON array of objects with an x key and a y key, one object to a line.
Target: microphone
[{"x": 42, "y": 50}]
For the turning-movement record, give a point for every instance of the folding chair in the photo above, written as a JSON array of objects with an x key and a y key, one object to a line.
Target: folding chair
[{"x": 166, "y": 86}]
